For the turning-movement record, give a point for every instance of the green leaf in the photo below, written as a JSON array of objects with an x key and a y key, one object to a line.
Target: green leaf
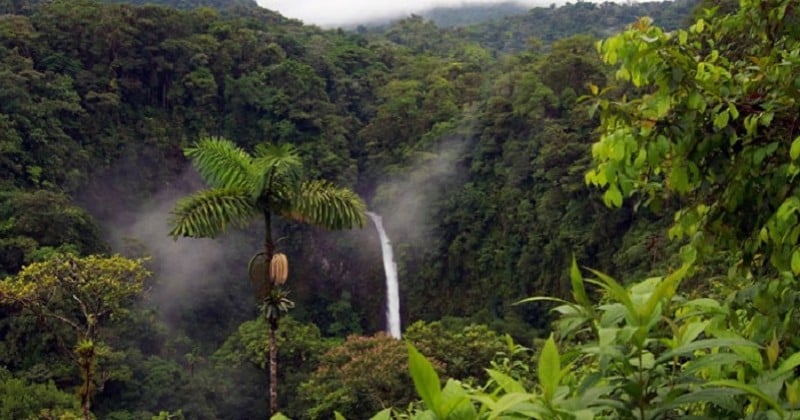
[
  {"x": 505, "y": 382},
  {"x": 721, "y": 397},
  {"x": 613, "y": 197},
  {"x": 664, "y": 291},
  {"x": 549, "y": 368},
  {"x": 207, "y": 213},
  {"x": 692, "y": 330},
  {"x": 721, "y": 120},
  {"x": 426, "y": 381},
  {"x": 322, "y": 204},
  {"x": 578, "y": 288},
  {"x": 789, "y": 364},
  {"x": 679, "y": 178},
  {"x": 614, "y": 289},
  {"x": 544, "y": 299},
  {"x": 711, "y": 361},
  {"x": 796, "y": 261},
  {"x": 695, "y": 100},
  {"x": 456, "y": 404},
  {"x": 385, "y": 414},
  {"x": 508, "y": 403},
  {"x": 755, "y": 392},
  {"x": 794, "y": 151},
  {"x": 705, "y": 344},
  {"x": 222, "y": 163}
]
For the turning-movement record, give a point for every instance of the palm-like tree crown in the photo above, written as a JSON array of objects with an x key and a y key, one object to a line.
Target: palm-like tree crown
[{"x": 268, "y": 182}]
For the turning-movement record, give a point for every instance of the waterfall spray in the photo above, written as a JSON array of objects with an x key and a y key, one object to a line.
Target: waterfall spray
[{"x": 392, "y": 289}]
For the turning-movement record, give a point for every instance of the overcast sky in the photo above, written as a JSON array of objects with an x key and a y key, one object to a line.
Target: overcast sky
[{"x": 342, "y": 12}]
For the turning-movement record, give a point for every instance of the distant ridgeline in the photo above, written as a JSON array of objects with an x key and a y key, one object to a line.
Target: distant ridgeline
[
  {"x": 511, "y": 33},
  {"x": 511, "y": 27},
  {"x": 22, "y": 7},
  {"x": 191, "y": 4},
  {"x": 470, "y": 14}
]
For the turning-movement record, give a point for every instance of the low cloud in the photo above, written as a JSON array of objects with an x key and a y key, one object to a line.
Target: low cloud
[
  {"x": 345, "y": 12},
  {"x": 406, "y": 202},
  {"x": 188, "y": 272}
]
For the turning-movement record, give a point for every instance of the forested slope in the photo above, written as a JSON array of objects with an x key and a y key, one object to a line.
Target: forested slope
[{"x": 472, "y": 143}]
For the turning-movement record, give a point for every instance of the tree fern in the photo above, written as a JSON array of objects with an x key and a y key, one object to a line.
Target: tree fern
[{"x": 267, "y": 183}]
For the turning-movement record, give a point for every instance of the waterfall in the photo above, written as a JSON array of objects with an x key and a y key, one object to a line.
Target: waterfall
[{"x": 392, "y": 289}]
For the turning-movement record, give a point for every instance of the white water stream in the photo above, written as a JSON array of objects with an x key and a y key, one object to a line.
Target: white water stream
[{"x": 392, "y": 288}]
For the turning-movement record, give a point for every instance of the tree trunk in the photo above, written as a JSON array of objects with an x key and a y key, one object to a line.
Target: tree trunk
[
  {"x": 86, "y": 404},
  {"x": 86, "y": 362},
  {"x": 273, "y": 368},
  {"x": 269, "y": 246},
  {"x": 269, "y": 250}
]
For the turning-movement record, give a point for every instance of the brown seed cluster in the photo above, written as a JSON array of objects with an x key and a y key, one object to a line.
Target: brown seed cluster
[{"x": 279, "y": 268}]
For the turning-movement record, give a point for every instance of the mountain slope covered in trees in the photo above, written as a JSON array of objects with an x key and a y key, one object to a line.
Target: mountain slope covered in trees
[{"x": 473, "y": 144}]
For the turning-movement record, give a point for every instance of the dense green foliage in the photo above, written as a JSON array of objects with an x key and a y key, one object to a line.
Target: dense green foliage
[
  {"x": 726, "y": 350},
  {"x": 516, "y": 32},
  {"x": 467, "y": 13},
  {"x": 473, "y": 143}
]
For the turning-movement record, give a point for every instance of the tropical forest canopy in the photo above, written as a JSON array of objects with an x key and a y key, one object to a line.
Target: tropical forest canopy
[{"x": 633, "y": 165}]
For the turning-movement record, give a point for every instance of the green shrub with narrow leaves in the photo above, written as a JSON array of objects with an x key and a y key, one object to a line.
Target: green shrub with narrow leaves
[{"x": 645, "y": 351}]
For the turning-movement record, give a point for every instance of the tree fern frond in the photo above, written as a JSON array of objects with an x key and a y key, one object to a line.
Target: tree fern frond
[
  {"x": 277, "y": 163},
  {"x": 322, "y": 204},
  {"x": 223, "y": 164},
  {"x": 208, "y": 213}
]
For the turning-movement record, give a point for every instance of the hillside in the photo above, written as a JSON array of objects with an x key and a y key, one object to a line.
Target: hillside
[
  {"x": 503, "y": 168},
  {"x": 28, "y": 6},
  {"x": 469, "y": 14},
  {"x": 547, "y": 24}
]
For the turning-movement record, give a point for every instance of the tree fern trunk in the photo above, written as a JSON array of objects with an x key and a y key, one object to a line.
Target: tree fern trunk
[
  {"x": 273, "y": 368},
  {"x": 269, "y": 250}
]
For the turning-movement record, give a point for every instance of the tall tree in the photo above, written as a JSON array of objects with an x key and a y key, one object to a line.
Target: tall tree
[
  {"x": 82, "y": 295},
  {"x": 267, "y": 183}
]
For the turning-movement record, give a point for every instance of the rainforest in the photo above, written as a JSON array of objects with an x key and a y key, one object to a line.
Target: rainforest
[{"x": 212, "y": 211}]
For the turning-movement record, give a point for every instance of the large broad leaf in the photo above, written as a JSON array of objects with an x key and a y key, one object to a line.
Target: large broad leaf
[
  {"x": 664, "y": 291},
  {"x": 752, "y": 391},
  {"x": 705, "y": 344},
  {"x": 549, "y": 368},
  {"x": 426, "y": 381},
  {"x": 710, "y": 361},
  {"x": 505, "y": 382},
  {"x": 721, "y": 397},
  {"x": 385, "y": 414},
  {"x": 511, "y": 403},
  {"x": 456, "y": 404},
  {"x": 788, "y": 365}
]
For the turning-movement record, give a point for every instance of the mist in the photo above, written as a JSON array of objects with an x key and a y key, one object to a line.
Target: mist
[
  {"x": 188, "y": 273},
  {"x": 407, "y": 201},
  {"x": 328, "y": 13}
]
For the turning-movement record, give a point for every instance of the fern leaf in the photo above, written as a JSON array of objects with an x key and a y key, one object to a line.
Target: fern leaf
[
  {"x": 223, "y": 164},
  {"x": 320, "y": 203},
  {"x": 208, "y": 213}
]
